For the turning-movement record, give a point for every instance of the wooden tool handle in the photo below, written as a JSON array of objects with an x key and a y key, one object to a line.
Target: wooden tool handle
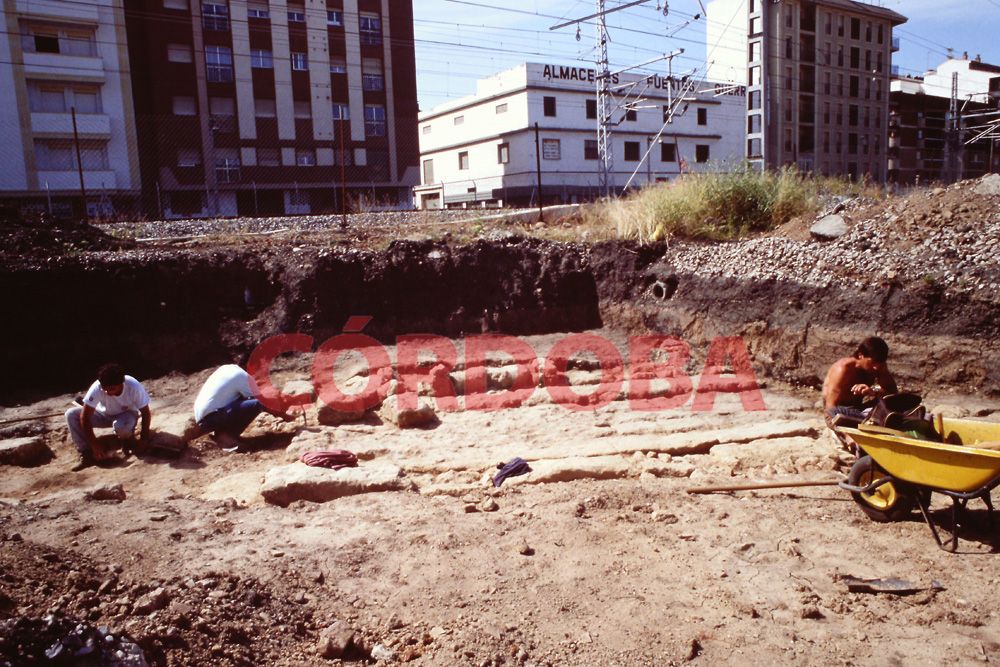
[{"x": 762, "y": 485}]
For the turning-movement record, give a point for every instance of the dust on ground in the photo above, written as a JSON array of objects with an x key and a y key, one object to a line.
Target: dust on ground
[{"x": 598, "y": 557}]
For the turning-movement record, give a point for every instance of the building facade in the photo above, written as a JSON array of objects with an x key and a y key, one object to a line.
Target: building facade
[
  {"x": 255, "y": 107},
  {"x": 817, "y": 77},
  {"x": 927, "y": 142},
  {"x": 485, "y": 150},
  {"x": 65, "y": 64}
]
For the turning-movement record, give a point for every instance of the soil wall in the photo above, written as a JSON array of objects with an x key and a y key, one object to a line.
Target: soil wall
[{"x": 157, "y": 312}]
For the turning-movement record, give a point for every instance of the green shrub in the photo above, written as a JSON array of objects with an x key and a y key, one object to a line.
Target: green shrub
[{"x": 721, "y": 206}]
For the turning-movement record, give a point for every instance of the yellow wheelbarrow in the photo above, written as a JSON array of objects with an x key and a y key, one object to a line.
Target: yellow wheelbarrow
[{"x": 894, "y": 471}]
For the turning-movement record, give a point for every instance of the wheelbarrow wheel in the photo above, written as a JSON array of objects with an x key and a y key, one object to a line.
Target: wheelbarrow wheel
[{"x": 889, "y": 502}]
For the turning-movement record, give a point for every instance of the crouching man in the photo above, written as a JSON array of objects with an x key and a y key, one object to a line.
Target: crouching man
[
  {"x": 226, "y": 404},
  {"x": 117, "y": 401}
]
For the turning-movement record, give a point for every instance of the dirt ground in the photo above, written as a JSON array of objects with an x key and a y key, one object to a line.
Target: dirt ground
[{"x": 598, "y": 557}]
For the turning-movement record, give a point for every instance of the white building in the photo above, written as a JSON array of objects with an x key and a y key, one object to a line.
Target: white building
[
  {"x": 481, "y": 150},
  {"x": 974, "y": 78},
  {"x": 58, "y": 57}
]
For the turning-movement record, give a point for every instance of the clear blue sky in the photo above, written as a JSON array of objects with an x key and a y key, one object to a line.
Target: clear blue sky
[{"x": 459, "y": 41}]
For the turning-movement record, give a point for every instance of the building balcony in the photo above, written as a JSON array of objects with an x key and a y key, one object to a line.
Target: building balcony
[
  {"x": 78, "y": 12},
  {"x": 56, "y": 66},
  {"x": 70, "y": 180},
  {"x": 61, "y": 125},
  {"x": 895, "y": 44}
]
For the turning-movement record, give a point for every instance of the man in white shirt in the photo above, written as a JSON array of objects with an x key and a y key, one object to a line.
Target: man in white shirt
[
  {"x": 114, "y": 400},
  {"x": 227, "y": 403}
]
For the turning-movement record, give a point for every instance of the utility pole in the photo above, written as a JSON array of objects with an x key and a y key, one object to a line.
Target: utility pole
[
  {"x": 79, "y": 164},
  {"x": 953, "y": 159},
  {"x": 538, "y": 168},
  {"x": 605, "y": 154}
]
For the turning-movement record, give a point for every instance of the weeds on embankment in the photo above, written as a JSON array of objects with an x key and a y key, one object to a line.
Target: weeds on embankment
[{"x": 722, "y": 206}]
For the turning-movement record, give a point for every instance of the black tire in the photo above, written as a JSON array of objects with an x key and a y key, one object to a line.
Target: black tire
[{"x": 890, "y": 502}]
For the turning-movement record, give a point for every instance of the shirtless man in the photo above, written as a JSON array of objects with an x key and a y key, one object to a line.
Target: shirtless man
[{"x": 853, "y": 380}]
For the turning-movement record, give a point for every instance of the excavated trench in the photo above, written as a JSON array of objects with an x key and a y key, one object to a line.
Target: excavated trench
[{"x": 165, "y": 311}]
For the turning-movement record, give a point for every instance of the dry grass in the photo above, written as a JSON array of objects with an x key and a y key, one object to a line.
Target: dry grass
[{"x": 719, "y": 206}]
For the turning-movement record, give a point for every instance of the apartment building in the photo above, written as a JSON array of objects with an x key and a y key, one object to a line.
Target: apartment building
[
  {"x": 256, "y": 107},
  {"x": 537, "y": 124},
  {"x": 817, "y": 77},
  {"x": 925, "y": 145},
  {"x": 66, "y": 120}
]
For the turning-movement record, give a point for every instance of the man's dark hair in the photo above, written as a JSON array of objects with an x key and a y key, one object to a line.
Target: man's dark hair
[
  {"x": 874, "y": 348},
  {"x": 110, "y": 375}
]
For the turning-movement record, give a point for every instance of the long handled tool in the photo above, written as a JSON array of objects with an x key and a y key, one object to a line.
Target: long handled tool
[{"x": 763, "y": 485}]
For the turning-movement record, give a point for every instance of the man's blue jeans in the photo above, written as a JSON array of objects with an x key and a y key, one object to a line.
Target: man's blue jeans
[
  {"x": 124, "y": 425},
  {"x": 232, "y": 419}
]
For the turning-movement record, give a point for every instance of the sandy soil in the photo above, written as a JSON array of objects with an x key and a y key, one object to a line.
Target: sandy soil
[{"x": 615, "y": 564}]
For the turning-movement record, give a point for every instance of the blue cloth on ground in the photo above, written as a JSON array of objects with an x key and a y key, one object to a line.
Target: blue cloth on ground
[{"x": 516, "y": 466}]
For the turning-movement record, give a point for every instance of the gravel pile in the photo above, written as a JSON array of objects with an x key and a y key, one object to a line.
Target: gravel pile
[
  {"x": 371, "y": 221},
  {"x": 945, "y": 237}
]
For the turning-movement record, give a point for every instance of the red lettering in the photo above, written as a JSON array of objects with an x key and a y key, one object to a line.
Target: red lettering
[
  {"x": 557, "y": 363},
  {"x": 524, "y": 383},
  {"x": 644, "y": 367},
  {"x": 412, "y": 372},
  {"x": 259, "y": 367},
  {"x": 742, "y": 381},
  {"x": 379, "y": 370}
]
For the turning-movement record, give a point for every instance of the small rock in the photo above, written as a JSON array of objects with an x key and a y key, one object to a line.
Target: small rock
[
  {"x": 25, "y": 452},
  {"x": 829, "y": 227},
  {"x": 382, "y": 652},
  {"x": 471, "y": 508},
  {"x": 812, "y": 612},
  {"x": 113, "y": 492},
  {"x": 153, "y": 601},
  {"x": 525, "y": 549},
  {"x": 334, "y": 640},
  {"x": 415, "y": 411},
  {"x": 489, "y": 505}
]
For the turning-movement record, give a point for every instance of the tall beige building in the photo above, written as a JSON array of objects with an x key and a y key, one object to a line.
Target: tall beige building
[{"x": 817, "y": 77}]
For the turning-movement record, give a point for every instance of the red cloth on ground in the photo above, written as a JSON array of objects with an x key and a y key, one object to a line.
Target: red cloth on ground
[{"x": 334, "y": 458}]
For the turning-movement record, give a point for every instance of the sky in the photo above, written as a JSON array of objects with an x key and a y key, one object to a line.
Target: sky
[{"x": 460, "y": 41}]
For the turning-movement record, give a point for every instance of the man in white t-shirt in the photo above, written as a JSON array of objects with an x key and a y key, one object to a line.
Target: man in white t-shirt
[
  {"x": 227, "y": 403},
  {"x": 115, "y": 400}
]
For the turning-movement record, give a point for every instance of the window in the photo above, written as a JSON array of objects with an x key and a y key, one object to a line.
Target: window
[
  {"x": 855, "y": 57},
  {"x": 590, "y": 151},
  {"x": 227, "y": 165},
  {"x": 68, "y": 41},
  {"x": 854, "y": 86},
  {"x": 426, "y": 129},
  {"x": 338, "y": 65},
  {"x": 184, "y": 106},
  {"x": 458, "y": 120},
  {"x": 302, "y": 109},
  {"x": 551, "y": 149},
  {"x": 268, "y": 157},
  {"x": 755, "y": 75},
  {"x": 214, "y": 16},
  {"x": 754, "y": 54},
  {"x": 503, "y": 154},
  {"x": 60, "y": 155},
  {"x": 753, "y": 99},
  {"x": 341, "y": 111},
  {"x": 701, "y": 153},
  {"x": 370, "y": 26},
  {"x": 753, "y": 124},
  {"x": 631, "y": 115},
  {"x": 335, "y": 19},
  {"x": 175, "y": 4},
  {"x": 258, "y": 13},
  {"x": 428, "y": 172},
  {"x": 881, "y": 35},
  {"x": 703, "y": 116},
  {"x": 755, "y": 25},
  {"x": 549, "y": 105},
  {"x": 261, "y": 59},
  {"x": 463, "y": 160},
  {"x": 501, "y": 108},
  {"x": 264, "y": 108},
  {"x": 374, "y": 120},
  {"x": 222, "y": 111},
  {"x": 46, "y": 42},
  {"x": 62, "y": 98},
  {"x": 668, "y": 152},
  {"x": 852, "y": 115},
  {"x": 372, "y": 82},
  {"x": 47, "y": 98},
  {"x": 868, "y": 31},
  {"x": 296, "y": 16},
  {"x": 855, "y": 28},
  {"x": 631, "y": 151},
  {"x": 188, "y": 157},
  {"x": 300, "y": 62},
  {"x": 85, "y": 100},
  {"x": 592, "y": 109},
  {"x": 754, "y": 148},
  {"x": 179, "y": 53},
  {"x": 219, "y": 64},
  {"x": 305, "y": 157}
]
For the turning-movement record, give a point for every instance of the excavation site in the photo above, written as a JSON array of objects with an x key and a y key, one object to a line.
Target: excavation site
[{"x": 509, "y": 441}]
